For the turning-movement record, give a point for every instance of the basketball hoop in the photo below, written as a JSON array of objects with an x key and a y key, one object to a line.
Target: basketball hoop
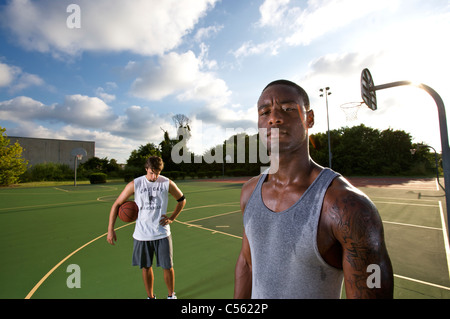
[
  {"x": 351, "y": 110},
  {"x": 78, "y": 154}
]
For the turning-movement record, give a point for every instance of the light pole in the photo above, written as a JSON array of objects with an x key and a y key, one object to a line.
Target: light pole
[{"x": 326, "y": 92}]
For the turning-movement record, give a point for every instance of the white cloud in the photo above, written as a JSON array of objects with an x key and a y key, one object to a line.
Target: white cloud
[
  {"x": 101, "y": 93},
  {"x": 142, "y": 124},
  {"x": 296, "y": 26},
  {"x": 321, "y": 17},
  {"x": 205, "y": 33},
  {"x": 273, "y": 12},
  {"x": 175, "y": 73},
  {"x": 6, "y": 74},
  {"x": 181, "y": 75},
  {"x": 86, "y": 118},
  {"x": 16, "y": 80},
  {"x": 84, "y": 111},
  {"x": 144, "y": 27},
  {"x": 22, "y": 108},
  {"x": 248, "y": 48},
  {"x": 76, "y": 109}
]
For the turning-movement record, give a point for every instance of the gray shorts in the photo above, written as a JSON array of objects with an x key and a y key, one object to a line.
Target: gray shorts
[{"x": 143, "y": 252}]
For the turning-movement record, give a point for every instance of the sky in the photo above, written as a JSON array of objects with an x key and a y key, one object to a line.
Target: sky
[{"x": 117, "y": 71}]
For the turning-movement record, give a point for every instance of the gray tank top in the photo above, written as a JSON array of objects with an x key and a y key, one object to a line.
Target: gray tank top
[{"x": 286, "y": 262}]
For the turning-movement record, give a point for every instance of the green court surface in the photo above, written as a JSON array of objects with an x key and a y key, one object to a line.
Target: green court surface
[{"x": 43, "y": 230}]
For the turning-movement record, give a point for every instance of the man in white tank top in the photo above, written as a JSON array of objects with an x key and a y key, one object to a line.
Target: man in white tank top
[{"x": 152, "y": 231}]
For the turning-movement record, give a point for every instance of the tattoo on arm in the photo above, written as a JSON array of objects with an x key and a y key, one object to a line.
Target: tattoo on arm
[{"x": 359, "y": 229}]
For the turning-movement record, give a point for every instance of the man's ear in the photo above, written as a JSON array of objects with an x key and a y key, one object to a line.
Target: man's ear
[{"x": 310, "y": 118}]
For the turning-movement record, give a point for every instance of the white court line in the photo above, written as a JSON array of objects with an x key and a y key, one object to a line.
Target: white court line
[
  {"x": 422, "y": 282},
  {"x": 373, "y": 198},
  {"x": 444, "y": 232},
  {"x": 213, "y": 231},
  {"x": 411, "y": 225},
  {"x": 406, "y": 204}
]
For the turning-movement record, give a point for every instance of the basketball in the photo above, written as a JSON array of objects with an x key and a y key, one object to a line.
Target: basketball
[{"x": 128, "y": 211}]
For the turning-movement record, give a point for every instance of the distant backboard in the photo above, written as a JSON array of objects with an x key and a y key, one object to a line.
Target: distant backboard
[
  {"x": 367, "y": 90},
  {"x": 78, "y": 151}
]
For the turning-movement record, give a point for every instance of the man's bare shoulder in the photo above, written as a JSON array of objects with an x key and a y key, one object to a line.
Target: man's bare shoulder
[
  {"x": 251, "y": 183},
  {"x": 341, "y": 188},
  {"x": 349, "y": 209}
]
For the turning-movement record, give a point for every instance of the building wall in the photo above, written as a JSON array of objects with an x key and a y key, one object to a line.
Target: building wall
[{"x": 42, "y": 150}]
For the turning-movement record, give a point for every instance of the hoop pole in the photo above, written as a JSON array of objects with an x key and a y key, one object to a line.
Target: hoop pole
[
  {"x": 443, "y": 131},
  {"x": 75, "y": 168}
]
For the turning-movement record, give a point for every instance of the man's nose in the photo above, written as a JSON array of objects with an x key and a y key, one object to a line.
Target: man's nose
[{"x": 275, "y": 117}]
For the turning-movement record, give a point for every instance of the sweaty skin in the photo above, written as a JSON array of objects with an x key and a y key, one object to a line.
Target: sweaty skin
[{"x": 350, "y": 232}]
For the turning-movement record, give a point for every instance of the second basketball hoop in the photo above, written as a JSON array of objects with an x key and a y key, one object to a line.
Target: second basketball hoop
[{"x": 351, "y": 110}]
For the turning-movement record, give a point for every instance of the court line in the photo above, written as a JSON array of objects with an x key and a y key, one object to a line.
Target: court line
[
  {"x": 422, "y": 282},
  {"x": 213, "y": 231},
  {"x": 445, "y": 234},
  {"x": 411, "y": 225},
  {"x": 40, "y": 282},
  {"x": 49, "y": 205},
  {"x": 400, "y": 198},
  {"x": 32, "y": 291},
  {"x": 406, "y": 204},
  {"x": 223, "y": 214}
]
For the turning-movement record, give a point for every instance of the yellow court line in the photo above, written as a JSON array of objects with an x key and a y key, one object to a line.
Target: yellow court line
[
  {"x": 32, "y": 291},
  {"x": 213, "y": 231},
  {"x": 223, "y": 214}
]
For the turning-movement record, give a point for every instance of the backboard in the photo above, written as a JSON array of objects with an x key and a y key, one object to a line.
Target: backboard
[
  {"x": 367, "y": 90},
  {"x": 78, "y": 151}
]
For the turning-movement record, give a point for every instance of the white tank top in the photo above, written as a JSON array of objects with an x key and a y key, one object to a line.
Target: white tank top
[{"x": 152, "y": 200}]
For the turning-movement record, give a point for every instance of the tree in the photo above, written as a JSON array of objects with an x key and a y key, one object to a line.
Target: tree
[
  {"x": 139, "y": 156},
  {"x": 166, "y": 152},
  {"x": 102, "y": 165},
  {"x": 12, "y": 165}
]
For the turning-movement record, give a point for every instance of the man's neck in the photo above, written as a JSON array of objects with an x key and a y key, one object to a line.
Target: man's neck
[{"x": 291, "y": 168}]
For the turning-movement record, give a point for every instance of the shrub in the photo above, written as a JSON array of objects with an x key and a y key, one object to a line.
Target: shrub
[
  {"x": 97, "y": 178},
  {"x": 48, "y": 172}
]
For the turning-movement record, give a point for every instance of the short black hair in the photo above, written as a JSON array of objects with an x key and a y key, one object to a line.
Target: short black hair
[{"x": 298, "y": 88}]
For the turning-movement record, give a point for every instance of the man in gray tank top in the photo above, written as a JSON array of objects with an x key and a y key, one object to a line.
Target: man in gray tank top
[{"x": 306, "y": 228}]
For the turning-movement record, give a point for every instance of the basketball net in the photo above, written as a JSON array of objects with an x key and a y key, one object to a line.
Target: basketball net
[
  {"x": 79, "y": 157},
  {"x": 351, "y": 110}
]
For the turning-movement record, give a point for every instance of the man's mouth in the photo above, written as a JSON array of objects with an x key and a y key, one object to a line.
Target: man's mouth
[{"x": 275, "y": 133}]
